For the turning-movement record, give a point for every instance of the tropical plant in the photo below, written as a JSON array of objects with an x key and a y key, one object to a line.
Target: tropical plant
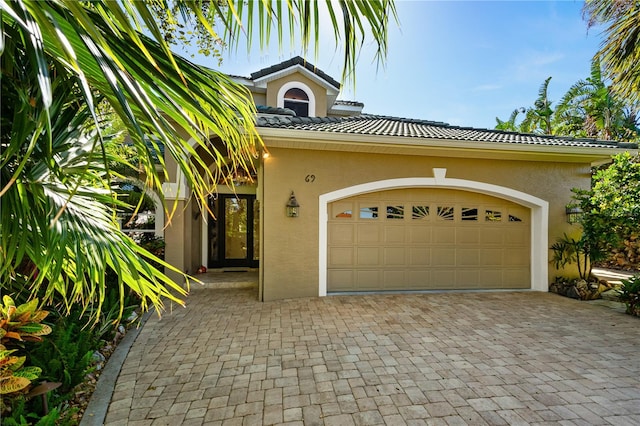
[
  {"x": 539, "y": 118},
  {"x": 18, "y": 324},
  {"x": 62, "y": 58},
  {"x": 510, "y": 124},
  {"x": 620, "y": 49},
  {"x": 630, "y": 294},
  {"x": 567, "y": 251},
  {"x": 591, "y": 109},
  {"x": 615, "y": 191},
  {"x": 610, "y": 212}
]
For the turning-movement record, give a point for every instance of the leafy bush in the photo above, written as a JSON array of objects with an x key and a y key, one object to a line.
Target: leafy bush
[
  {"x": 630, "y": 294},
  {"x": 18, "y": 324},
  {"x": 610, "y": 213},
  {"x": 611, "y": 208},
  {"x": 66, "y": 355},
  {"x": 21, "y": 415}
]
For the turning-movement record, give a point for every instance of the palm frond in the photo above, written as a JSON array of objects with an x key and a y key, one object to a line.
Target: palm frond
[{"x": 619, "y": 51}]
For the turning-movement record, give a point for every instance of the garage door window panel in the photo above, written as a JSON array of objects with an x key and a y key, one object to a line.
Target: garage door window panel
[
  {"x": 420, "y": 212},
  {"x": 369, "y": 212},
  {"x": 469, "y": 214},
  {"x": 517, "y": 215},
  {"x": 445, "y": 213},
  {"x": 395, "y": 212},
  {"x": 342, "y": 210},
  {"x": 492, "y": 215}
]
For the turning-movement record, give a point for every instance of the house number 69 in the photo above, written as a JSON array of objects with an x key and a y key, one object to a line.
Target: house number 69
[{"x": 310, "y": 178}]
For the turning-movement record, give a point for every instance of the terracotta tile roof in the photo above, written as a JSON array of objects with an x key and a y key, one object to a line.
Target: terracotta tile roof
[
  {"x": 367, "y": 124},
  {"x": 291, "y": 62}
]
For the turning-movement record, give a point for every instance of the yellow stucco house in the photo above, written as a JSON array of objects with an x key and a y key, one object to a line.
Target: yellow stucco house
[{"x": 384, "y": 203}]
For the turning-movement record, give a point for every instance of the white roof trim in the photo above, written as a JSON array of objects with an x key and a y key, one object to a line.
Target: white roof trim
[{"x": 262, "y": 81}]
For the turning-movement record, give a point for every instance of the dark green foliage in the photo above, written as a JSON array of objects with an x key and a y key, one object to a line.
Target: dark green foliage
[
  {"x": 66, "y": 355},
  {"x": 616, "y": 191},
  {"x": 611, "y": 212},
  {"x": 22, "y": 414},
  {"x": 612, "y": 206},
  {"x": 630, "y": 294}
]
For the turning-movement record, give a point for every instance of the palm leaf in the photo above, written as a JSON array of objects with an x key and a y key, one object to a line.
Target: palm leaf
[{"x": 60, "y": 59}]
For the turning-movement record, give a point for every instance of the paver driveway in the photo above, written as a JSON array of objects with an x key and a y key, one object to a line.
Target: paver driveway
[{"x": 452, "y": 358}]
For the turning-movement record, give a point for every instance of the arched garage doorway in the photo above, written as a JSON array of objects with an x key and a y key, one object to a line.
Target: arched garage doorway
[
  {"x": 427, "y": 239},
  {"x": 464, "y": 236}
]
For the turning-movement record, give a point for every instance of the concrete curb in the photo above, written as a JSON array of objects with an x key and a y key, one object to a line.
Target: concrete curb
[{"x": 99, "y": 403}]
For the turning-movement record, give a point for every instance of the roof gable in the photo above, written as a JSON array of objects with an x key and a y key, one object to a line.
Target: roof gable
[{"x": 289, "y": 67}]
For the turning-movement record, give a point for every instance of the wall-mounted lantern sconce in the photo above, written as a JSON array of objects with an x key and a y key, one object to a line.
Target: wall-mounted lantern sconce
[
  {"x": 292, "y": 206},
  {"x": 574, "y": 213}
]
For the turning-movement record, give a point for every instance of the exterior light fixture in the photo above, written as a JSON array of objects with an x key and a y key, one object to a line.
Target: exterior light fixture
[
  {"x": 574, "y": 213},
  {"x": 293, "y": 206}
]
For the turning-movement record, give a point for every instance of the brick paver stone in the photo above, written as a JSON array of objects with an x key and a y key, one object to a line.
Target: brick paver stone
[{"x": 401, "y": 359}]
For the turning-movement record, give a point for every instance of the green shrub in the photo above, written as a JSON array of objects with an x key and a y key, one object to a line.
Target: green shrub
[
  {"x": 630, "y": 294},
  {"x": 66, "y": 356},
  {"x": 22, "y": 414}
]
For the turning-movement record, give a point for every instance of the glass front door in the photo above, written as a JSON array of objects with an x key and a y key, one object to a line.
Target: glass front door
[{"x": 234, "y": 231}]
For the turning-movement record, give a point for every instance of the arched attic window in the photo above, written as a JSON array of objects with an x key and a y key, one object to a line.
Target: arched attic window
[
  {"x": 298, "y": 97},
  {"x": 298, "y": 101}
]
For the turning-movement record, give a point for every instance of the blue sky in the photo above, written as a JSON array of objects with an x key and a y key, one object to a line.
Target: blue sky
[{"x": 461, "y": 62}]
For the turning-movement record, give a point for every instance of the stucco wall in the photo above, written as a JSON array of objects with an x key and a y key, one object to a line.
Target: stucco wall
[{"x": 290, "y": 261}]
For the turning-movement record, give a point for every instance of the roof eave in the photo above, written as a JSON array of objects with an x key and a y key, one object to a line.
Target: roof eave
[{"x": 327, "y": 141}]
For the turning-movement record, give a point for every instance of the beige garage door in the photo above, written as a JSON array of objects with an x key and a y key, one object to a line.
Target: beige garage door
[{"x": 427, "y": 239}]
